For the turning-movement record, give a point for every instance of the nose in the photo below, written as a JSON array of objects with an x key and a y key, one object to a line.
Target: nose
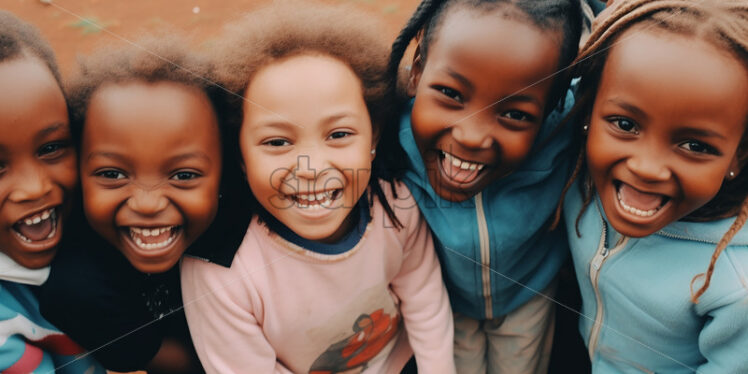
[
  {"x": 649, "y": 169},
  {"x": 31, "y": 183},
  {"x": 310, "y": 165},
  {"x": 147, "y": 202},
  {"x": 473, "y": 132}
]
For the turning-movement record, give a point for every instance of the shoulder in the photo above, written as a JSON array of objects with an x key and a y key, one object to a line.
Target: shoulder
[{"x": 402, "y": 202}]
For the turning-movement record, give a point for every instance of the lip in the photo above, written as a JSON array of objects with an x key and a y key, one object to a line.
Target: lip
[
  {"x": 634, "y": 218},
  {"x": 177, "y": 235},
  {"x": 39, "y": 246}
]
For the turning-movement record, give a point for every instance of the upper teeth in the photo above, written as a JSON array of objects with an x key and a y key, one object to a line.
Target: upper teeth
[
  {"x": 638, "y": 212},
  {"x": 462, "y": 164},
  {"x": 33, "y": 220},
  {"x": 151, "y": 232},
  {"x": 315, "y": 200}
]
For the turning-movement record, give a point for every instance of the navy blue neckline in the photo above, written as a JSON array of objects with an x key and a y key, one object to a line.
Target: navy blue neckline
[{"x": 343, "y": 245}]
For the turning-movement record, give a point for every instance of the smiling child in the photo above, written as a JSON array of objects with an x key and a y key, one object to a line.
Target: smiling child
[
  {"x": 655, "y": 220},
  {"x": 156, "y": 184}
]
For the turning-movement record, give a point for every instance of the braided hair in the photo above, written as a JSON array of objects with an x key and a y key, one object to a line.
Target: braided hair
[{"x": 724, "y": 23}]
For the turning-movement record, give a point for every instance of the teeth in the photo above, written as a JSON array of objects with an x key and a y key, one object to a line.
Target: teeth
[
  {"x": 136, "y": 232},
  {"x": 315, "y": 201},
  {"x": 638, "y": 212},
  {"x": 462, "y": 164}
]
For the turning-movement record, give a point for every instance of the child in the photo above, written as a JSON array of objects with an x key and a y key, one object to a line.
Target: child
[
  {"x": 151, "y": 155},
  {"x": 664, "y": 91},
  {"x": 487, "y": 163},
  {"x": 329, "y": 278},
  {"x": 37, "y": 177}
]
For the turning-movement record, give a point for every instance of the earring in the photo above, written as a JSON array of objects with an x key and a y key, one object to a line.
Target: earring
[
  {"x": 731, "y": 174},
  {"x": 373, "y": 152},
  {"x": 586, "y": 127}
]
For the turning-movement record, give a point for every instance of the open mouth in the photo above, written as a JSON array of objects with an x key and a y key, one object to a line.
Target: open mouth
[
  {"x": 37, "y": 227},
  {"x": 316, "y": 200},
  {"x": 153, "y": 238},
  {"x": 639, "y": 203},
  {"x": 459, "y": 170}
]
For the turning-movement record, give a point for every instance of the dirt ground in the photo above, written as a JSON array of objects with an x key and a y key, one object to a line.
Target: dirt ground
[{"x": 77, "y": 27}]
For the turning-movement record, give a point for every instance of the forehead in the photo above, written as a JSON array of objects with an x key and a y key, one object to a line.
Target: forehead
[
  {"x": 513, "y": 46},
  {"x": 30, "y": 94},
  {"x": 303, "y": 88},
  {"x": 163, "y": 113},
  {"x": 676, "y": 70}
]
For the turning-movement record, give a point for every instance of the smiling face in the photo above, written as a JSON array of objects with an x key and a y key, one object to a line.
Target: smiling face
[
  {"x": 480, "y": 98},
  {"x": 664, "y": 129},
  {"x": 150, "y": 169},
  {"x": 306, "y": 141},
  {"x": 37, "y": 162}
]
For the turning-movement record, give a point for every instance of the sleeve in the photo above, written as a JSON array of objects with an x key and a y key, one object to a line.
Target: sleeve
[
  {"x": 18, "y": 356},
  {"x": 89, "y": 301},
  {"x": 423, "y": 301},
  {"x": 724, "y": 338},
  {"x": 226, "y": 333}
]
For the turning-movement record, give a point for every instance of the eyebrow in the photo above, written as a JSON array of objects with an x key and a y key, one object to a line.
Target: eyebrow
[
  {"x": 701, "y": 132},
  {"x": 629, "y": 107},
  {"x": 49, "y": 130},
  {"x": 464, "y": 81},
  {"x": 513, "y": 98},
  {"x": 188, "y": 156},
  {"x": 325, "y": 121},
  {"x": 107, "y": 155}
]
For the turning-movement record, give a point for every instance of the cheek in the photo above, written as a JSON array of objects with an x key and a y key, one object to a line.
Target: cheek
[
  {"x": 425, "y": 122},
  {"x": 65, "y": 173},
  {"x": 515, "y": 147}
]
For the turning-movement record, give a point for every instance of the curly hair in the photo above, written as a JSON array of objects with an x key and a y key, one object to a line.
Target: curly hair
[
  {"x": 20, "y": 39},
  {"x": 723, "y": 23},
  {"x": 289, "y": 29}
]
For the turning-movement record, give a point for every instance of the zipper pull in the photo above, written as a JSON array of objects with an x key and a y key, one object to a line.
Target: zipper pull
[{"x": 598, "y": 259}]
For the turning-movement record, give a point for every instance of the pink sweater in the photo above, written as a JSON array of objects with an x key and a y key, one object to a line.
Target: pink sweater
[{"x": 282, "y": 308}]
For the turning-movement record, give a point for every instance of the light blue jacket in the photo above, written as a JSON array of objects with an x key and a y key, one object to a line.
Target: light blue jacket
[
  {"x": 637, "y": 314},
  {"x": 495, "y": 248}
]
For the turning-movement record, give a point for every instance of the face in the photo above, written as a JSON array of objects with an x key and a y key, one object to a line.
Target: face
[
  {"x": 306, "y": 141},
  {"x": 37, "y": 162},
  {"x": 480, "y": 98},
  {"x": 664, "y": 129},
  {"x": 150, "y": 169}
]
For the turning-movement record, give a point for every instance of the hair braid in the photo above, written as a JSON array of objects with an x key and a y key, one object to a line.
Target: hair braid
[
  {"x": 423, "y": 13},
  {"x": 736, "y": 226}
]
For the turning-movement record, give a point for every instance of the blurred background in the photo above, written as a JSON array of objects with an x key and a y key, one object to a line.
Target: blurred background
[{"x": 77, "y": 27}]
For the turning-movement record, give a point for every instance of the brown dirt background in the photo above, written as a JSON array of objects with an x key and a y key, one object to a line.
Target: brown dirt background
[{"x": 70, "y": 25}]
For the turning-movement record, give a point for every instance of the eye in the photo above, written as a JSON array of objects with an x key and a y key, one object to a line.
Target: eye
[
  {"x": 111, "y": 174},
  {"x": 52, "y": 150},
  {"x": 517, "y": 115},
  {"x": 2, "y": 168},
  {"x": 696, "y": 146},
  {"x": 625, "y": 125},
  {"x": 339, "y": 134},
  {"x": 277, "y": 142},
  {"x": 450, "y": 93},
  {"x": 185, "y": 175}
]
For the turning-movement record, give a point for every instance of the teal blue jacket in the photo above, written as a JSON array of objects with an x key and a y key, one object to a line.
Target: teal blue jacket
[
  {"x": 495, "y": 249},
  {"x": 637, "y": 314}
]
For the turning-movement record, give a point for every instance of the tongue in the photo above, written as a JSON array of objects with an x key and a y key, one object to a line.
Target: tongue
[
  {"x": 457, "y": 174},
  {"x": 639, "y": 200},
  {"x": 36, "y": 232}
]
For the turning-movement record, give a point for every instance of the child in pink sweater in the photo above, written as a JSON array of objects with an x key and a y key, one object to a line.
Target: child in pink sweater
[{"x": 330, "y": 276}]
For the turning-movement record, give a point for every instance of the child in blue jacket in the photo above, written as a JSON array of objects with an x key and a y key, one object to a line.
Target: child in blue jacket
[
  {"x": 486, "y": 161},
  {"x": 655, "y": 219}
]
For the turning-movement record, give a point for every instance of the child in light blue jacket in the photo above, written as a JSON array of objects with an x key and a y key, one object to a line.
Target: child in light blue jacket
[{"x": 655, "y": 217}]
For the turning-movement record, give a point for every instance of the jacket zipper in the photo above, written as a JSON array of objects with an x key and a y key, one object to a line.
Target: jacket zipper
[
  {"x": 485, "y": 254},
  {"x": 602, "y": 255}
]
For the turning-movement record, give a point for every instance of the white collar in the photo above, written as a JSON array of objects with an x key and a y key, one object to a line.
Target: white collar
[{"x": 11, "y": 271}]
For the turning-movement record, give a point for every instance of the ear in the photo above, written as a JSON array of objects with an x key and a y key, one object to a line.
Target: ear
[
  {"x": 414, "y": 75},
  {"x": 735, "y": 165},
  {"x": 375, "y": 142}
]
